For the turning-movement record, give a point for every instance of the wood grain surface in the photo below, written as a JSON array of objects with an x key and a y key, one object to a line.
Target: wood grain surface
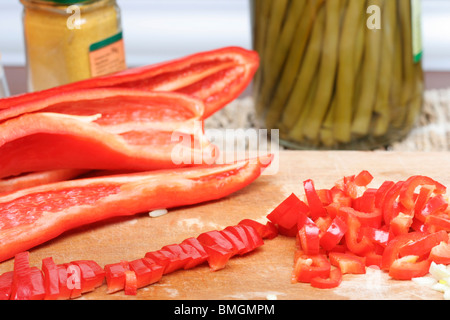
[{"x": 266, "y": 271}]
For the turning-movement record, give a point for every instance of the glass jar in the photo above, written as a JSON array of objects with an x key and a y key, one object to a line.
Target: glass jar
[
  {"x": 4, "y": 91},
  {"x": 71, "y": 40},
  {"x": 338, "y": 74}
]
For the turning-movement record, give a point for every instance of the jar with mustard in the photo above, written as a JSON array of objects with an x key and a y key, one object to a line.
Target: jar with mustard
[{"x": 71, "y": 40}]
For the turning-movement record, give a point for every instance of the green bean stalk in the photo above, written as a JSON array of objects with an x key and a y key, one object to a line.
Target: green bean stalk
[{"x": 329, "y": 81}]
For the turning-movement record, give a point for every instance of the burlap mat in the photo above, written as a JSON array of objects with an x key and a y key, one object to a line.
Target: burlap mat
[{"x": 431, "y": 132}]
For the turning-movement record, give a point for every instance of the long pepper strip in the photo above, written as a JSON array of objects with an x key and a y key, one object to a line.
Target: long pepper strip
[
  {"x": 33, "y": 216},
  {"x": 216, "y": 77},
  {"x": 115, "y": 129}
]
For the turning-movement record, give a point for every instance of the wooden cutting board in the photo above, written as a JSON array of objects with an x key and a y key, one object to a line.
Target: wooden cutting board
[{"x": 266, "y": 271}]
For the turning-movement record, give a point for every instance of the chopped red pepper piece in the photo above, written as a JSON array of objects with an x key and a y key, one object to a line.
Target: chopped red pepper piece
[
  {"x": 363, "y": 178},
  {"x": 51, "y": 279},
  {"x": 146, "y": 271},
  {"x": 309, "y": 237},
  {"x": 348, "y": 263},
  {"x": 308, "y": 267},
  {"x": 333, "y": 281},
  {"x": 28, "y": 282},
  {"x": 6, "y": 280},
  {"x": 195, "y": 244},
  {"x": 409, "y": 267},
  {"x": 115, "y": 276},
  {"x": 440, "y": 254},
  {"x": 89, "y": 200},
  {"x": 423, "y": 245},
  {"x": 286, "y": 214},
  {"x": 410, "y": 185},
  {"x": 130, "y": 283},
  {"x": 334, "y": 234},
  {"x": 266, "y": 231},
  {"x": 392, "y": 251},
  {"x": 217, "y": 256},
  {"x": 316, "y": 207}
]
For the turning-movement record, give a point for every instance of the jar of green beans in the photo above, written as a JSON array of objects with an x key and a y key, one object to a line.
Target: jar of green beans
[{"x": 338, "y": 74}]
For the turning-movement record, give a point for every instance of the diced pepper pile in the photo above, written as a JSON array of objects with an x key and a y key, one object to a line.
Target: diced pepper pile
[
  {"x": 71, "y": 280},
  {"x": 400, "y": 227}
]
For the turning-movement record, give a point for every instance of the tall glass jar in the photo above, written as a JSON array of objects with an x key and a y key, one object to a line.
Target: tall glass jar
[
  {"x": 338, "y": 74},
  {"x": 71, "y": 40}
]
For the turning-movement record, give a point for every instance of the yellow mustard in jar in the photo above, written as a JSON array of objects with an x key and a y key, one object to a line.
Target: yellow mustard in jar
[{"x": 71, "y": 40}]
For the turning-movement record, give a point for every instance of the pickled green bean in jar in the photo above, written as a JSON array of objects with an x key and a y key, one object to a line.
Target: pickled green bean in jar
[{"x": 338, "y": 74}]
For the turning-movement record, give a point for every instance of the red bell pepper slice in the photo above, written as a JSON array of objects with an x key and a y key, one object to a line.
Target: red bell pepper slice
[
  {"x": 367, "y": 219},
  {"x": 316, "y": 207},
  {"x": 216, "y": 237},
  {"x": 373, "y": 259},
  {"x": 352, "y": 240},
  {"x": 146, "y": 271},
  {"x": 216, "y": 77},
  {"x": 28, "y": 282},
  {"x": 366, "y": 202},
  {"x": 115, "y": 276},
  {"x": 92, "y": 275},
  {"x": 197, "y": 246},
  {"x": 155, "y": 131},
  {"x": 308, "y": 267},
  {"x": 390, "y": 200},
  {"x": 378, "y": 236},
  {"x": 424, "y": 195},
  {"x": 437, "y": 222},
  {"x": 334, "y": 234},
  {"x": 130, "y": 283},
  {"x": 381, "y": 193},
  {"x": 51, "y": 279},
  {"x": 363, "y": 178},
  {"x": 254, "y": 238},
  {"x": 266, "y": 231},
  {"x": 286, "y": 214},
  {"x": 348, "y": 263},
  {"x": 239, "y": 245},
  {"x": 440, "y": 254},
  {"x": 6, "y": 280},
  {"x": 423, "y": 246},
  {"x": 217, "y": 256},
  {"x": 242, "y": 234},
  {"x": 94, "y": 199},
  {"x": 434, "y": 206},
  {"x": 309, "y": 237},
  {"x": 64, "y": 290},
  {"x": 392, "y": 251},
  {"x": 339, "y": 197},
  {"x": 410, "y": 185},
  {"x": 333, "y": 281},
  {"x": 409, "y": 267}
]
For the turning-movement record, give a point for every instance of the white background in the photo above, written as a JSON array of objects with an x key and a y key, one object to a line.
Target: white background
[{"x": 157, "y": 30}]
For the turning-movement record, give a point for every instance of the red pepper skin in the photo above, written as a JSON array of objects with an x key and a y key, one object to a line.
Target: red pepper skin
[
  {"x": 363, "y": 178},
  {"x": 28, "y": 282},
  {"x": 440, "y": 254},
  {"x": 390, "y": 200},
  {"x": 134, "y": 193},
  {"x": 75, "y": 135},
  {"x": 240, "y": 232},
  {"x": 64, "y": 290},
  {"x": 115, "y": 276},
  {"x": 334, "y": 280},
  {"x": 51, "y": 279},
  {"x": 217, "y": 256},
  {"x": 195, "y": 244},
  {"x": 404, "y": 269},
  {"x": 354, "y": 244},
  {"x": 309, "y": 237},
  {"x": 392, "y": 251},
  {"x": 130, "y": 283},
  {"x": 348, "y": 263},
  {"x": 266, "y": 231},
  {"x": 286, "y": 214},
  {"x": 217, "y": 238},
  {"x": 305, "y": 271},
  {"x": 216, "y": 77},
  {"x": 315, "y": 204},
  {"x": 6, "y": 280},
  {"x": 381, "y": 193},
  {"x": 334, "y": 234},
  {"x": 423, "y": 245},
  {"x": 145, "y": 273},
  {"x": 408, "y": 188}
]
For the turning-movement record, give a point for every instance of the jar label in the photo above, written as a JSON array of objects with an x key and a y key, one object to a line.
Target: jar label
[
  {"x": 107, "y": 56},
  {"x": 416, "y": 13}
]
